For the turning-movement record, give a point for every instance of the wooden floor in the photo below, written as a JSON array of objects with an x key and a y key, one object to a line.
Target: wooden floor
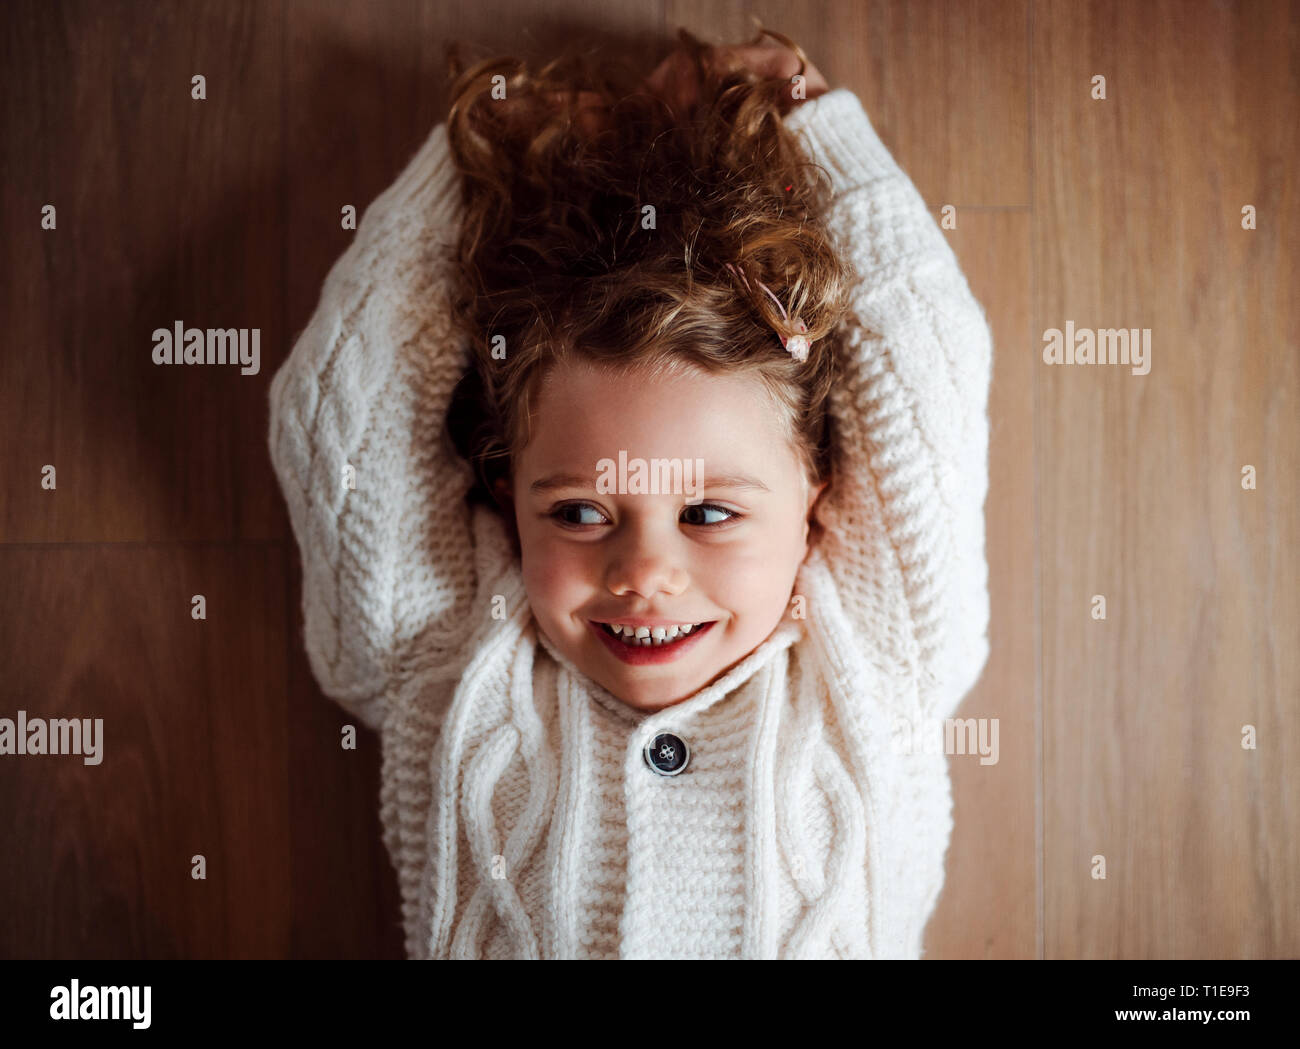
[{"x": 1119, "y": 738}]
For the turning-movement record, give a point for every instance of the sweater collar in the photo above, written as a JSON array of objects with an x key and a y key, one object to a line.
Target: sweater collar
[{"x": 785, "y": 634}]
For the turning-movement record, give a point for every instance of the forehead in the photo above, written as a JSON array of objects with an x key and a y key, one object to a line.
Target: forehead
[{"x": 582, "y": 413}]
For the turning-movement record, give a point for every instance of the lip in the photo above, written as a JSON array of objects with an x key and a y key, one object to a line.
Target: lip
[{"x": 648, "y": 655}]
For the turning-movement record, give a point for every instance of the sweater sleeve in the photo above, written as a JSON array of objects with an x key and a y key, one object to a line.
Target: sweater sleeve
[
  {"x": 910, "y": 407},
  {"x": 392, "y": 555}
]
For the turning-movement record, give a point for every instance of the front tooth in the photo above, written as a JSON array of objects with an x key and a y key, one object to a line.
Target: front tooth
[
  {"x": 670, "y": 634},
  {"x": 652, "y": 636}
]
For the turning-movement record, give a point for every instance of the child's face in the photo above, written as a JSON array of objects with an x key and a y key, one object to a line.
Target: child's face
[{"x": 589, "y": 556}]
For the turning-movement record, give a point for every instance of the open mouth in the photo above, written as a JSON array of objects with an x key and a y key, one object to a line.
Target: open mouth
[{"x": 653, "y": 637}]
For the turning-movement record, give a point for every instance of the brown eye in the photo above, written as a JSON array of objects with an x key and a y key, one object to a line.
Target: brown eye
[
  {"x": 571, "y": 508},
  {"x": 710, "y": 506}
]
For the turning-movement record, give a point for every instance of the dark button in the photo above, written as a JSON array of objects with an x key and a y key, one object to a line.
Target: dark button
[{"x": 667, "y": 754}]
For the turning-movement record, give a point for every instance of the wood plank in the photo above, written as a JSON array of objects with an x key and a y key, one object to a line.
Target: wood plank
[
  {"x": 942, "y": 80},
  {"x": 168, "y": 209},
  {"x": 1138, "y": 224},
  {"x": 194, "y": 756}
]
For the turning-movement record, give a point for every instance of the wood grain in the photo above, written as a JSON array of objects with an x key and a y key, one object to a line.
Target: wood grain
[
  {"x": 1137, "y": 216},
  {"x": 1118, "y": 738},
  {"x": 168, "y": 209}
]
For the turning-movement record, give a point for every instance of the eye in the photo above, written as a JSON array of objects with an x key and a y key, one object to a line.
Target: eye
[
  {"x": 560, "y": 512},
  {"x": 710, "y": 506}
]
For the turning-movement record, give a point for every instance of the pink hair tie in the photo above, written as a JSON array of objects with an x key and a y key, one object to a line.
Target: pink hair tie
[{"x": 797, "y": 345}]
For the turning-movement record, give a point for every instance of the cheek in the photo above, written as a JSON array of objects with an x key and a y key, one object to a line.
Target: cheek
[
  {"x": 744, "y": 573},
  {"x": 757, "y": 575},
  {"x": 555, "y": 574},
  {"x": 753, "y": 582},
  {"x": 763, "y": 550}
]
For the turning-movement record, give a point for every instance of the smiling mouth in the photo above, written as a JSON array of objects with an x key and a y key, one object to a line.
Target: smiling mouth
[{"x": 657, "y": 637}]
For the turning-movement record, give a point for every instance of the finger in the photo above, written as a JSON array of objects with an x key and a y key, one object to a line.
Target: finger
[{"x": 766, "y": 61}]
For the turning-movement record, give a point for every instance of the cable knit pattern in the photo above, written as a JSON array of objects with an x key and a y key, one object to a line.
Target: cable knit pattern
[{"x": 517, "y": 806}]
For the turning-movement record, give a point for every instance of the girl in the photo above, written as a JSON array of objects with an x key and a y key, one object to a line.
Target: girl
[{"x": 620, "y": 718}]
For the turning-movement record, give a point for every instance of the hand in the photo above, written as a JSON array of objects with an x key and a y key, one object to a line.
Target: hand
[{"x": 676, "y": 82}]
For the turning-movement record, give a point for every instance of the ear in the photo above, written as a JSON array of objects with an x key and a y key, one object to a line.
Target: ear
[{"x": 814, "y": 495}]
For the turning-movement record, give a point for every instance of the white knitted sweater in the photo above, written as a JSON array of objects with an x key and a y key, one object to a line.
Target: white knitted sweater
[{"x": 517, "y": 807}]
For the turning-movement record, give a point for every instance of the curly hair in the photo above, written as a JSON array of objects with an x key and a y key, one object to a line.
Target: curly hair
[{"x": 611, "y": 248}]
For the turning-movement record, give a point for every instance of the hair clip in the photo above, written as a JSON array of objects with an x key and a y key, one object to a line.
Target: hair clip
[{"x": 797, "y": 345}]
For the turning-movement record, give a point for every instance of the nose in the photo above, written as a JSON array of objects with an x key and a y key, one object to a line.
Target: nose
[{"x": 646, "y": 562}]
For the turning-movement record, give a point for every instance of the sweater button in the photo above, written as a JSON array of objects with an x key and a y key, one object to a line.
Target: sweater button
[{"x": 667, "y": 754}]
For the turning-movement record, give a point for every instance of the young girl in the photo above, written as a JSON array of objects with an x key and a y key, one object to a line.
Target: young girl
[{"x": 660, "y": 720}]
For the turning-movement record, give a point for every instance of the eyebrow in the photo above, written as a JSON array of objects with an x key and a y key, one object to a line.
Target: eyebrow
[{"x": 570, "y": 480}]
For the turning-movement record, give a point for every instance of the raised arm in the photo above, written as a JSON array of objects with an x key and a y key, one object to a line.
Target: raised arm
[
  {"x": 912, "y": 410},
  {"x": 389, "y": 566}
]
